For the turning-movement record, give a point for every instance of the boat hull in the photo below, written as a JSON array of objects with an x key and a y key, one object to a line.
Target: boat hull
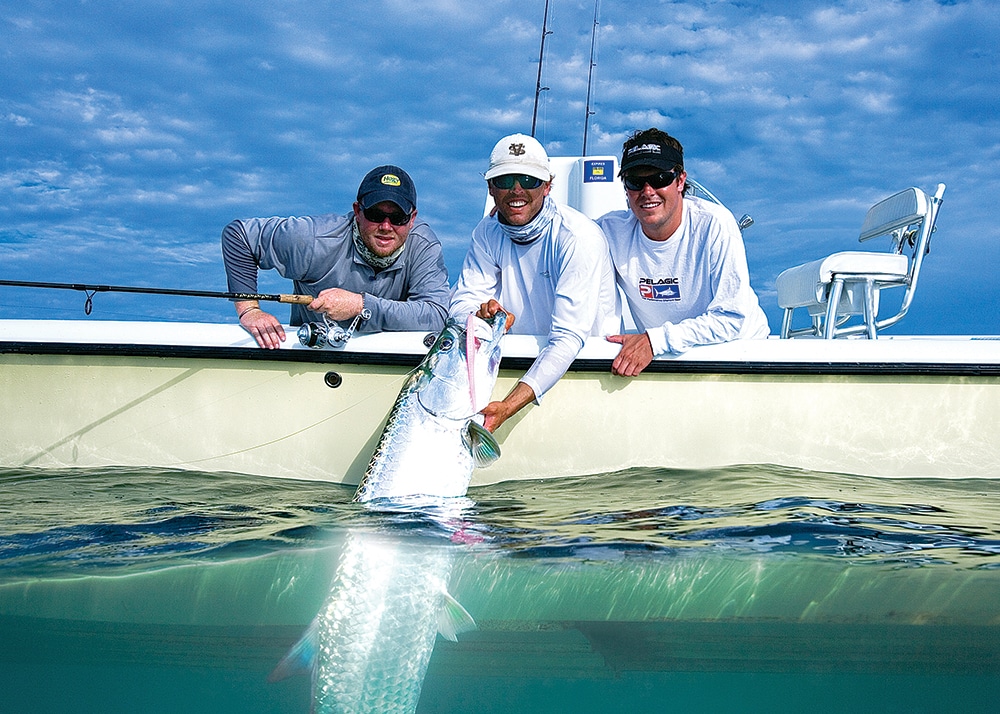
[{"x": 884, "y": 408}]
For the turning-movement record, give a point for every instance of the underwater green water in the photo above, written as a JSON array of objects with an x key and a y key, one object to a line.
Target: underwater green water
[{"x": 749, "y": 589}]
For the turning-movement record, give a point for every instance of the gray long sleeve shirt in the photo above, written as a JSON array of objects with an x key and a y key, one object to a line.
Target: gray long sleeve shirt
[{"x": 317, "y": 252}]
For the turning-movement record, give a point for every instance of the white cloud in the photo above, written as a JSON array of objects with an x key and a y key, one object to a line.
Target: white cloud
[{"x": 173, "y": 122}]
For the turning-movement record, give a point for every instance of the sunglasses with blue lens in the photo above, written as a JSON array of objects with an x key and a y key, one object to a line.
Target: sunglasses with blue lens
[
  {"x": 635, "y": 182},
  {"x": 377, "y": 215},
  {"x": 506, "y": 182}
]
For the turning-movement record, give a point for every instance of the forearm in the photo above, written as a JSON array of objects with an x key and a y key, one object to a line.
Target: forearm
[
  {"x": 552, "y": 362},
  {"x": 245, "y": 306},
  {"x": 705, "y": 329},
  {"x": 404, "y": 315},
  {"x": 239, "y": 261},
  {"x": 496, "y": 413}
]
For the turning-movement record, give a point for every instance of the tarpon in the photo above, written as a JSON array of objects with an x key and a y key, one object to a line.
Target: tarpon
[
  {"x": 369, "y": 646},
  {"x": 432, "y": 440}
]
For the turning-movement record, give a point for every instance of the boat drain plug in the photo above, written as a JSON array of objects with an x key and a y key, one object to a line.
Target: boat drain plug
[{"x": 333, "y": 380}]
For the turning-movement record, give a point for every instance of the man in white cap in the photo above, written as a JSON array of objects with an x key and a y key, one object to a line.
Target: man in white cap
[{"x": 547, "y": 266}]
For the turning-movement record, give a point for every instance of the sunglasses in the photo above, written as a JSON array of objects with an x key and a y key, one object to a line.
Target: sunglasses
[
  {"x": 377, "y": 215},
  {"x": 506, "y": 182},
  {"x": 635, "y": 182}
]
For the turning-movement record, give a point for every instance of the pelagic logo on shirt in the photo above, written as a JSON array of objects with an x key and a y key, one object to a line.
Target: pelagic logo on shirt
[{"x": 660, "y": 289}]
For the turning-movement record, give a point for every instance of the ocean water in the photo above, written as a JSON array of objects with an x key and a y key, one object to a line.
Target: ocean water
[{"x": 747, "y": 589}]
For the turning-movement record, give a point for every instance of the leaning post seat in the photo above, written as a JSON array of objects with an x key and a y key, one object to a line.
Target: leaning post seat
[{"x": 845, "y": 284}]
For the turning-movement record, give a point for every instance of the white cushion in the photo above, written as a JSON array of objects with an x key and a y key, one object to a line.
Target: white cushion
[
  {"x": 897, "y": 211},
  {"x": 806, "y": 284}
]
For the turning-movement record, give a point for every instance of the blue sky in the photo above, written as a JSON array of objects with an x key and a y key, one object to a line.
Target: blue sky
[{"x": 133, "y": 132}]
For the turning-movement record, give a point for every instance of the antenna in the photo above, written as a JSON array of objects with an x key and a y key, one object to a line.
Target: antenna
[
  {"x": 541, "y": 54},
  {"x": 590, "y": 75}
]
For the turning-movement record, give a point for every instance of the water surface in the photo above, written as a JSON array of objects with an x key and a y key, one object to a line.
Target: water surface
[{"x": 752, "y": 588}]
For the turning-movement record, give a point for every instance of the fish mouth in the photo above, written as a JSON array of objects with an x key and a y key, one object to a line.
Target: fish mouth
[{"x": 461, "y": 392}]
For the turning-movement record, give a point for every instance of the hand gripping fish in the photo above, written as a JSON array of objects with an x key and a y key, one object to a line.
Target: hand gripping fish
[
  {"x": 432, "y": 441},
  {"x": 369, "y": 647}
]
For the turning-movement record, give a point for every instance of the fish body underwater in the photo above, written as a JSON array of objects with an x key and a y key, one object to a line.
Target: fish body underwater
[{"x": 370, "y": 644}]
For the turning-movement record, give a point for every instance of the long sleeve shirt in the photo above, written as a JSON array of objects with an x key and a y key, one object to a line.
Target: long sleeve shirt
[
  {"x": 691, "y": 289},
  {"x": 317, "y": 252},
  {"x": 560, "y": 285}
]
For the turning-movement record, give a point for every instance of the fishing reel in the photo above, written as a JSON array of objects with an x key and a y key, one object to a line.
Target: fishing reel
[{"x": 318, "y": 335}]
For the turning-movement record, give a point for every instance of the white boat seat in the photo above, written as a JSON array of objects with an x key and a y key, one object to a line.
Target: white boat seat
[{"x": 834, "y": 289}]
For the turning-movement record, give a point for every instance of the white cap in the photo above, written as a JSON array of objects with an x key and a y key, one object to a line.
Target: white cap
[{"x": 519, "y": 154}]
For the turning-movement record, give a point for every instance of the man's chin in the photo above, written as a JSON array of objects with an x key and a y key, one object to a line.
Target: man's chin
[{"x": 383, "y": 250}]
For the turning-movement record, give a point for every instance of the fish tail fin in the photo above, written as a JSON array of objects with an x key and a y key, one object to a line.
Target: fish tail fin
[
  {"x": 299, "y": 659},
  {"x": 453, "y": 619},
  {"x": 485, "y": 449}
]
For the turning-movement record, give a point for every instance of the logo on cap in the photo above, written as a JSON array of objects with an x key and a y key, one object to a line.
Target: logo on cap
[
  {"x": 645, "y": 149},
  {"x": 517, "y": 150},
  {"x": 391, "y": 180}
]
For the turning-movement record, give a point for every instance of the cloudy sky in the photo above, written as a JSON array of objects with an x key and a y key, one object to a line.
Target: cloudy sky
[{"x": 134, "y": 131}]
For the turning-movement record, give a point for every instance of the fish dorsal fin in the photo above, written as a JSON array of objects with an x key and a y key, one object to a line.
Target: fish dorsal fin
[
  {"x": 453, "y": 619},
  {"x": 485, "y": 449}
]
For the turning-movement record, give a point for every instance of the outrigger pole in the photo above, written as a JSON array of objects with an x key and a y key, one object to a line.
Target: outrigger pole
[
  {"x": 590, "y": 74},
  {"x": 92, "y": 290},
  {"x": 541, "y": 55}
]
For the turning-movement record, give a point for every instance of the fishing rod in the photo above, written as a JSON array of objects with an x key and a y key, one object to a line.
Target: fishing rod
[
  {"x": 590, "y": 75},
  {"x": 541, "y": 56},
  {"x": 92, "y": 290}
]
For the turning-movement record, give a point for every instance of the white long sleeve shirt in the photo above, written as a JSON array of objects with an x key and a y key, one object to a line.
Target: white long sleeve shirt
[
  {"x": 560, "y": 285},
  {"x": 691, "y": 289}
]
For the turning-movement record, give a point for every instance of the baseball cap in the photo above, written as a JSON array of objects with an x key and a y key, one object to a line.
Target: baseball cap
[
  {"x": 519, "y": 154},
  {"x": 656, "y": 154},
  {"x": 388, "y": 183}
]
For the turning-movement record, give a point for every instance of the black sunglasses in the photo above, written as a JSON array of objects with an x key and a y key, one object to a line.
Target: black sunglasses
[
  {"x": 635, "y": 182},
  {"x": 377, "y": 215},
  {"x": 506, "y": 182}
]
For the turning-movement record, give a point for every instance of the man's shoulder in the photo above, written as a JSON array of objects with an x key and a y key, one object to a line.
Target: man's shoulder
[
  {"x": 616, "y": 221},
  {"x": 704, "y": 210},
  {"x": 423, "y": 235},
  {"x": 321, "y": 224},
  {"x": 577, "y": 223},
  {"x": 571, "y": 215}
]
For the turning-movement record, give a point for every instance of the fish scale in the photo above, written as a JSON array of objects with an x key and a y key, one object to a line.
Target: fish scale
[
  {"x": 431, "y": 441},
  {"x": 369, "y": 646},
  {"x": 376, "y": 635}
]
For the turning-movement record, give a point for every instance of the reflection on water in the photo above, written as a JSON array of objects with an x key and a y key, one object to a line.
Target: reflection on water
[{"x": 742, "y": 589}]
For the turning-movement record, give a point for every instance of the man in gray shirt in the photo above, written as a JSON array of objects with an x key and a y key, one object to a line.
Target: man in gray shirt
[{"x": 379, "y": 261}]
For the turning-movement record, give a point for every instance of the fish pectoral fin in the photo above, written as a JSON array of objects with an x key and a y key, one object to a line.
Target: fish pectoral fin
[
  {"x": 300, "y": 658},
  {"x": 485, "y": 449},
  {"x": 453, "y": 618}
]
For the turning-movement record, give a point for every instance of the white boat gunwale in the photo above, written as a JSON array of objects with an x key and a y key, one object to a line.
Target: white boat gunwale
[{"x": 411, "y": 359}]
